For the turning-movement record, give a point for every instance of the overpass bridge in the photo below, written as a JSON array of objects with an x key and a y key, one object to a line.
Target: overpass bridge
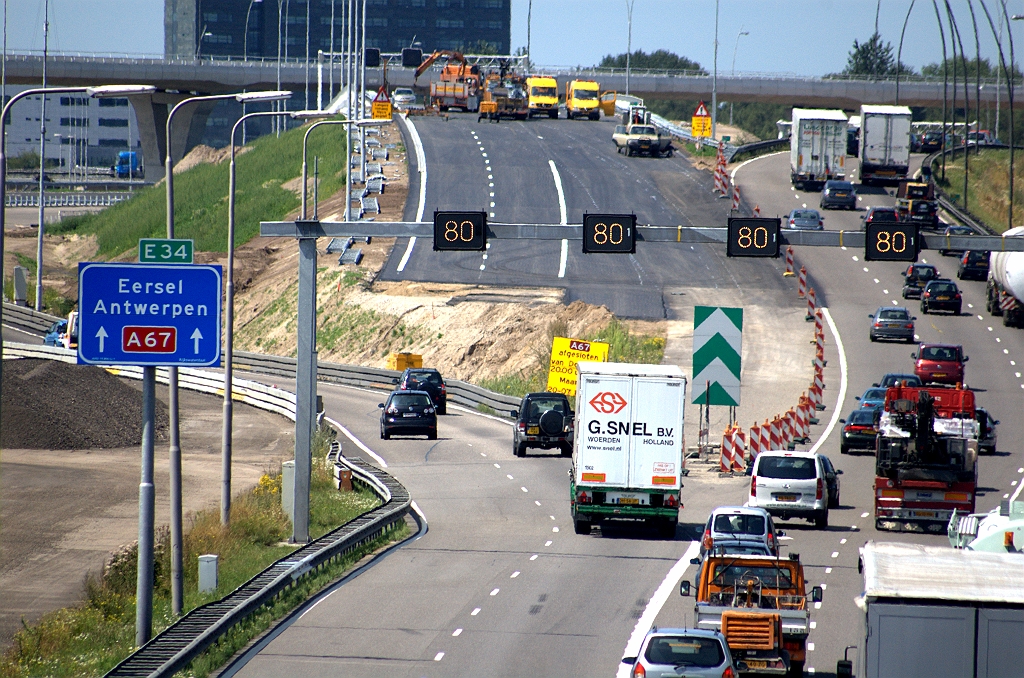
[{"x": 177, "y": 78}]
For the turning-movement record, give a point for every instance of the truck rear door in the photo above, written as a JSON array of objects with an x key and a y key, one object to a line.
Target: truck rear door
[
  {"x": 919, "y": 641},
  {"x": 656, "y": 434},
  {"x": 874, "y": 139},
  {"x": 604, "y": 410}
]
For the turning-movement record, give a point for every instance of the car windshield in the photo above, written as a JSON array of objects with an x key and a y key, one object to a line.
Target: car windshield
[
  {"x": 861, "y": 418},
  {"x": 685, "y": 651},
  {"x": 805, "y": 214},
  {"x": 543, "y": 92},
  {"x": 939, "y": 353},
  {"x": 787, "y": 468},
  {"x": 411, "y": 401},
  {"x": 874, "y": 394},
  {"x": 643, "y": 130},
  {"x": 892, "y": 314},
  {"x": 539, "y": 406},
  {"x": 584, "y": 94},
  {"x": 739, "y": 524},
  {"x": 402, "y": 92},
  {"x": 733, "y": 573}
]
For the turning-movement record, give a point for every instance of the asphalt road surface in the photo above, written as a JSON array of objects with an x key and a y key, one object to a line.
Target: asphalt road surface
[{"x": 508, "y": 170}]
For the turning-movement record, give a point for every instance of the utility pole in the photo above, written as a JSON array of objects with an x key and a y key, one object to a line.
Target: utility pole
[
  {"x": 714, "y": 84},
  {"x": 736, "y": 49},
  {"x": 629, "y": 38},
  {"x": 42, "y": 164},
  {"x": 529, "y": 25}
]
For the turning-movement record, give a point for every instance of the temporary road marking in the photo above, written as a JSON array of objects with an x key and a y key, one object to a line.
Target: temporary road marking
[
  {"x": 970, "y": 305},
  {"x": 824, "y": 587},
  {"x": 484, "y": 154},
  {"x": 810, "y": 647},
  {"x": 1006, "y": 496},
  {"x": 475, "y": 612},
  {"x": 492, "y": 215},
  {"x": 805, "y": 205},
  {"x": 536, "y": 502},
  {"x": 524, "y": 489},
  {"x": 533, "y": 557},
  {"x": 885, "y": 291},
  {"x": 865, "y": 269},
  {"x": 786, "y": 538},
  {"x": 835, "y": 554},
  {"x": 495, "y": 592},
  {"x": 548, "y": 542},
  {"x": 876, "y": 281},
  {"x": 980, "y": 318},
  {"x": 482, "y": 454},
  {"x": 554, "y": 529},
  {"x": 490, "y": 176},
  {"x": 990, "y": 329},
  {"x": 457, "y": 633},
  {"x": 421, "y": 166},
  {"x": 539, "y": 136},
  {"x": 841, "y": 396},
  {"x": 814, "y": 624},
  {"x": 817, "y": 606},
  {"x": 514, "y": 574},
  {"x": 359, "y": 443},
  {"x": 497, "y": 466},
  {"x": 1006, "y": 351},
  {"x": 509, "y": 476},
  {"x": 490, "y": 184},
  {"x": 842, "y": 541},
  {"x": 1013, "y": 483},
  {"x": 1020, "y": 470},
  {"x": 408, "y": 253},
  {"x": 855, "y": 258},
  {"x": 492, "y": 194},
  {"x": 563, "y": 257},
  {"x": 1013, "y": 362},
  {"x": 864, "y": 515},
  {"x": 561, "y": 195},
  {"x": 646, "y": 621},
  {"x": 810, "y": 669},
  {"x": 552, "y": 517},
  {"x": 438, "y": 656},
  {"x": 853, "y": 527},
  {"x": 924, "y": 261},
  {"x": 998, "y": 340},
  {"x": 492, "y": 204},
  {"x": 895, "y": 303},
  {"x": 828, "y": 570}
]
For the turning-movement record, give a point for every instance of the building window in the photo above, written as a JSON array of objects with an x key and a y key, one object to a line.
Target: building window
[
  {"x": 412, "y": 23},
  {"x": 450, "y": 23},
  {"x": 114, "y": 143},
  {"x": 113, "y": 122},
  {"x": 451, "y": 3},
  {"x": 215, "y": 17},
  {"x": 490, "y": 4},
  {"x": 112, "y": 103},
  {"x": 75, "y": 101},
  {"x": 377, "y": 21},
  {"x": 215, "y": 39},
  {"x": 74, "y": 122}
]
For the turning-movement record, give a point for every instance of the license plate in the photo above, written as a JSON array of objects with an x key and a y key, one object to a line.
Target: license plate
[
  {"x": 925, "y": 514},
  {"x": 942, "y": 298},
  {"x": 533, "y": 430},
  {"x": 629, "y": 500},
  {"x": 938, "y": 374},
  {"x": 754, "y": 664},
  {"x": 840, "y": 195},
  {"x": 785, "y": 497},
  {"x": 892, "y": 325},
  {"x": 410, "y": 414}
]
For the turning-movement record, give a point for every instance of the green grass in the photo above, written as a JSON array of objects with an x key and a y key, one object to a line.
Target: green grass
[
  {"x": 988, "y": 187},
  {"x": 27, "y": 262},
  {"x": 53, "y": 302},
  {"x": 89, "y": 639},
  {"x": 201, "y": 196}
]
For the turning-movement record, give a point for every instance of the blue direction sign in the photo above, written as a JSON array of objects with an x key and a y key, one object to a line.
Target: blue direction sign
[{"x": 149, "y": 314}]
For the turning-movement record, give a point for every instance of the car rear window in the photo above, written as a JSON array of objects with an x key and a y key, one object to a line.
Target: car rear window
[
  {"x": 874, "y": 394},
  {"x": 891, "y": 379},
  {"x": 942, "y": 287},
  {"x": 410, "y": 400},
  {"x": 883, "y": 215},
  {"x": 685, "y": 651},
  {"x": 840, "y": 185},
  {"x": 425, "y": 378},
  {"x": 923, "y": 272},
  {"x": 739, "y": 524},
  {"x": 805, "y": 214},
  {"x": 539, "y": 406},
  {"x": 787, "y": 468},
  {"x": 644, "y": 130},
  {"x": 892, "y": 314},
  {"x": 861, "y": 418},
  {"x": 939, "y": 353},
  {"x": 977, "y": 257}
]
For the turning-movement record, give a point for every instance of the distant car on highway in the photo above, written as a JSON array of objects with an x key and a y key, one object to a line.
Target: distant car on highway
[
  {"x": 403, "y": 96},
  {"x": 931, "y": 142},
  {"x": 874, "y": 215},
  {"x": 955, "y": 230},
  {"x": 737, "y": 525},
  {"x": 890, "y": 379},
  {"x": 858, "y": 431},
  {"x": 408, "y": 413},
  {"x": 872, "y": 398},
  {"x": 791, "y": 485},
  {"x": 973, "y": 266},
  {"x": 941, "y": 295},
  {"x": 543, "y": 420},
  {"x": 805, "y": 220},
  {"x": 698, "y": 653},
  {"x": 940, "y": 363},
  {"x": 426, "y": 379},
  {"x": 916, "y": 277},
  {"x": 892, "y": 322},
  {"x": 837, "y": 194},
  {"x": 53, "y": 334}
]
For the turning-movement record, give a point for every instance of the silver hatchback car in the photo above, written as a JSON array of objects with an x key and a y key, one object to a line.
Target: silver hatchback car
[
  {"x": 892, "y": 322},
  {"x": 693, "y": 653}
]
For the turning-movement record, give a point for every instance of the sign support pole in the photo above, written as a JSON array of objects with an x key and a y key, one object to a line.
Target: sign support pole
[
  {"x": 305, "y": 380},
  {"x": 144, "y": 581}
]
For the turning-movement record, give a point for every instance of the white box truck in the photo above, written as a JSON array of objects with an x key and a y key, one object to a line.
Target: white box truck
[
  {"x": 884, "y": 144},
  {"x": 817, "y": 147},
  {"x": 627, "y": 457}
]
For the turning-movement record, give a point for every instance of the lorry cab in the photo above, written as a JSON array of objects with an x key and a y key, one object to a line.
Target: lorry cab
[
  {"x": 582, "y": 99},
  {"x": 542, "y": 93}
]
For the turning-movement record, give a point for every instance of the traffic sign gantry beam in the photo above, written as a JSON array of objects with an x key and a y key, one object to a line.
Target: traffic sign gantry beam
[{"x": 681, "y": 234}]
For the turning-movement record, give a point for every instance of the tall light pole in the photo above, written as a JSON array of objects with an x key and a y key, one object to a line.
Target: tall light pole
[
  {"x": 245, "y": 41},
  {"x": 42, "y": 166},
  {"x": 629, "y": 38},
  {"x": 529, "y": 26},
  {"x": 714, "y": 83},
  {"x": 735, "y": 49},
  {"x": 172, "y": 372}
]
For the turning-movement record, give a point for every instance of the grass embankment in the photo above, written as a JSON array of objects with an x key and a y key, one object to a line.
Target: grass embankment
[
  {"x": 623, "y": 347},
  {"x": 89, "y": 639},
  {"x": 201, "y": 195},
  {"x": 988, "y": 185}
]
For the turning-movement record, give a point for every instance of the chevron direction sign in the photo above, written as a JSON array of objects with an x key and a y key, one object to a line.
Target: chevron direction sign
[{"x": 717, "y": 347}]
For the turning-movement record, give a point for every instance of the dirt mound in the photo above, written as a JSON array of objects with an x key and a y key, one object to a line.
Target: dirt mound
[
  {"x": 201, "y": 154},
  {"x": 58, "y": 406}
]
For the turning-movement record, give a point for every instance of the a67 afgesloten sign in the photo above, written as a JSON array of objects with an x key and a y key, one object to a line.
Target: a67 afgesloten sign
[{"x": 146, "y": 314}]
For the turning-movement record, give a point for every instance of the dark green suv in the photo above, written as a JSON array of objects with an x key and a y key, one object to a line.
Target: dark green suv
[{"x": 543, "y": 420}]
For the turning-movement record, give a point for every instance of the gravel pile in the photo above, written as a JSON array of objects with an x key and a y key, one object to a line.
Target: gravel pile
[{"x": 57, "y": 406}]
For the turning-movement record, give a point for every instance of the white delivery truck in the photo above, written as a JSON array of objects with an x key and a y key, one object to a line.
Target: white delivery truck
[
  {"x": 817, "y": 147},
  {"x": 627, "y": 457},
  {"x": 884, "y": 144}
]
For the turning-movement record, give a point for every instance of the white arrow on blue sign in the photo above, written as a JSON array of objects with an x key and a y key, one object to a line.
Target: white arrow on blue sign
[{"x": 147, "y": 314}]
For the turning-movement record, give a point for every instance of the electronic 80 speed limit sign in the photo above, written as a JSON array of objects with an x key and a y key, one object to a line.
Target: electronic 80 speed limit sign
[
  {"x": 609, "y": 233},
  {"x": 460, "y": 231},
  {"x": 753, "y": 237},
  {"x": 891, "y": 241}
]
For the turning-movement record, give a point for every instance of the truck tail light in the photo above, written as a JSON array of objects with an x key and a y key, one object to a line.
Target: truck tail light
[
  {"x": 753, "y": 486},
  {"x": 707, "y": 542},
  {"x": 671, "y": 501},
  {"x": 820, "y": 489},
  {"x": 582, "y": 498},
  {"x": 639, "y": 671}
]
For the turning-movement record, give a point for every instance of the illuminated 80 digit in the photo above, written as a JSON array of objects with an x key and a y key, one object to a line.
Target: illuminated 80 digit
[
  {"x": 454, "y": 231},
  {"x": 756, "y": 237},
  {"x": 891, "y": 242},
  {"x": 605, "y": 233}
]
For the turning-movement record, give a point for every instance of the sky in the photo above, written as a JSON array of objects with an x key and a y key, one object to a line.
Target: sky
[{"x": 804, "y": 37}]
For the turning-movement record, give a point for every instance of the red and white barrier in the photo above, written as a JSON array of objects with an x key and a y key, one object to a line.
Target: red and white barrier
[
  {"x": 789, "y": 262},
  {"x": 776, "y": 435},
  {"x": 801, "y": 286},
  {"x": 754, "y": 447},
  {"x": 739, "y": 449},
  {"x": 766, "y": 436},
  {"x": 812, "y": 304},
  {"x": 735, "y": 197},
  {"x": 725, "y": 459},
  {"x": 757, "y": 210}
]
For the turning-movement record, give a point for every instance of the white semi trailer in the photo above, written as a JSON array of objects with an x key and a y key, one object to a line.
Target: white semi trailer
[
  {"x": 817, "y": 147},
  {"x": 1006, "y": 284},
  {"x": 884, "y": 144}
]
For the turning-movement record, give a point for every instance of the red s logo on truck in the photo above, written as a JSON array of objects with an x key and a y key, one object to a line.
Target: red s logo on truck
[{"x": 608, "y": 402}]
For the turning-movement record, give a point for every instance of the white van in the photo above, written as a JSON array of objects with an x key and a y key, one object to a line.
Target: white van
[{"x": 791, "y": 485}]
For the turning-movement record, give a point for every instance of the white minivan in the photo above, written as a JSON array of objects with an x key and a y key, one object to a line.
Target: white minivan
[{"x": 790, "y": 485}]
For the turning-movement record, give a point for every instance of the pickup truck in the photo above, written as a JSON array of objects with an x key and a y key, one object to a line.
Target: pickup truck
[
  {"x": 759, "y": 604},
  {"x": 641, "y": 139}
]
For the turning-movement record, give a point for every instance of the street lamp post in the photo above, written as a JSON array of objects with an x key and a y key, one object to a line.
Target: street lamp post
[
  {"x": 734, "y": 51},
  {"x": 172, "y": 372},
  {"x": 245, "y": 41},
  {"x": 629, "y": 38},
  {"x": 714, "y": 83}
]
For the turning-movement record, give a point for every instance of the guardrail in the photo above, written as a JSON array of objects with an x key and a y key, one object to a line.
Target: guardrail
[
  {"x": 66, "y": 199},
  {"x": 965, "y": 217},
  {"x": 27, "y": 319},
  {"x": 172, "y": 649}
]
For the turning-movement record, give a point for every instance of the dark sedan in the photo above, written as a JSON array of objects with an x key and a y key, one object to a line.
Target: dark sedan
[
  {"x": 892, "y": 378},
  {"x": 858, "y": 431},
  {"x": 916, "y": 277},
  {"x": 408, "y": 413},
  {"x": 875, "y": 215},
  {"x": 838, "y": 194},
  {"x": 426, "y": 379},
  {"x": 931, "y": 142},
  {"x": 955, "y": 230},
  {"x": 941, "y": 295},
  {"x": 973, "y": 266},
  {"x": 892, "y": 322}
]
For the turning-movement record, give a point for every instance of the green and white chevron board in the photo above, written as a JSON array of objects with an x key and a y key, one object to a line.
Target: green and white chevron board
[{"x": 717, "y": 351}]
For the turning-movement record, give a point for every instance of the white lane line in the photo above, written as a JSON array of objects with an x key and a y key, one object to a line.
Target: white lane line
[
  {"x": 514, "y": 574},
  {"x": 743, "y": 164},
  {"x": 835, "y": 554},
  {"x": 554, "y": 529},
  {"x": 509, "y": 476},
  {"x": 548, "y": 543},
  {"x": 497, "y": 466},
  {"x": 438, "y": 656},
  {"x": 495, "y": 592},
  {"x": 421, "y": 166},
  {"x": 810, "y": 647},
  {"x": 456, "y": 633},
  {"x": 536, "y": 502},
  {"x": 524, "y": 489},
  {"x": 646, "y": 621},
  {"x": 841, "y": 396},
  {"x": 561, "y": 195},
  {"x": 814, "y": 624},
  {"x": 828, "y": 570},
  {"x": 475, "y": 612},
  {"x": 842, "y": 541},
  {"x": 408, "y": 253},
  {"x": 358, "y": 443},
  {"x": 563, "y": 257},
  {"x": 533, "y": 557}
]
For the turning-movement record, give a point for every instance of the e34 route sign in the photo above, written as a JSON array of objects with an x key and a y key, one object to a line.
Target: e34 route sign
[{"x": 149, "y": 314}]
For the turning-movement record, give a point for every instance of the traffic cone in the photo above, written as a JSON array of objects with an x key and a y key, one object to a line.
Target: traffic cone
[
  {"x": 789, "y": 262},
  {"x": 739, "y": 449},
  {"x": 812, "y": 304},
  {"x": 757, "y": 210},
  {"x": 801, "y": 286},
  {"x": 725, "y": 457}
]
